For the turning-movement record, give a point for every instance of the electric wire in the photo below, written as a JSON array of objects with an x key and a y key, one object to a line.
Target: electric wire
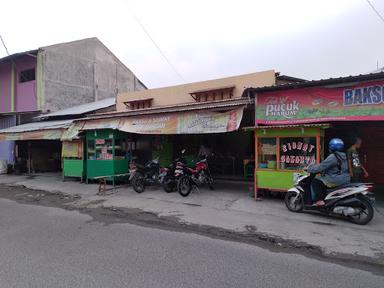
[
  {"x": 5, "y": 47},
  {"x": 375, "y": 10},
  {"x": 156, "y": 45}
]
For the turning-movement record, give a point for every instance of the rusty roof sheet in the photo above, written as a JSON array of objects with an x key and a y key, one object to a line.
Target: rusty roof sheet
[
  {"x": 321, "y": 82},
  {"x": 34, "y": 126},
  {"x": 177, "y": 108}
]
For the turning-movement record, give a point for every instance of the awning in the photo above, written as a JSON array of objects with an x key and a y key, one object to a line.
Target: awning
[
  {"x": 96, "y": 124},
  {"x": 45, "y": 130},
  {"x": 189, "y": 122},
  {"x": 194, "y": 122}
]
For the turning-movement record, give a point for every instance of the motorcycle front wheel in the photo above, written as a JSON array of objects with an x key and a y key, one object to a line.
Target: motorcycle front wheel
[
  {"x": 184, "y": 186},
  {"x": 365, "y": 215},
  {"x": 138, "y": 183},
  {"x": 294, "y": 202},
  {"x": 210, "y": 183}
]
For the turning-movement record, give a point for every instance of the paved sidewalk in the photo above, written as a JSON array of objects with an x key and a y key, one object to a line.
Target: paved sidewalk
[{"x": 230, "y": 207}]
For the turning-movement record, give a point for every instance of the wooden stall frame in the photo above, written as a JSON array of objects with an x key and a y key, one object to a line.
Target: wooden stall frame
[{"x": 318, "y": 156}]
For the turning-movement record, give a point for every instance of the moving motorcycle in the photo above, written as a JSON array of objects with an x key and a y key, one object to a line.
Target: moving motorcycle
[
  {"x": 148, "y": 174},
  {"x": 352, "y": 201},
  {"x": 192, "y": 178}
]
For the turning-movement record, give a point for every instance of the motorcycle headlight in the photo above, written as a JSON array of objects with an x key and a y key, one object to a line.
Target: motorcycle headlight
[{"x": 296, "y": 177}]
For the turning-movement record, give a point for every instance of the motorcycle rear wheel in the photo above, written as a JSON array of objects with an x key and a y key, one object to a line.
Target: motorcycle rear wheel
[
  {"x": 138, "y": 183},
  {"x": 367, "y": 213},
  {"x": 294, "y": 204},
  {"x": 169, "y": 185},
  {"x": 184, "y": 186}
]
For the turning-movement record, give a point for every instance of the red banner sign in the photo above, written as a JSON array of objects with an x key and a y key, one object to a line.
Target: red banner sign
[{"x": 308, "y": 105}]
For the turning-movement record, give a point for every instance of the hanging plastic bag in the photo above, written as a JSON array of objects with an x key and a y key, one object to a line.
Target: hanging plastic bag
[{"x": 3, "y": 167}]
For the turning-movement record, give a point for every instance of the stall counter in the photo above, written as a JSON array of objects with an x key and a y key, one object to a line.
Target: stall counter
[{"x": 283, "y": 151}]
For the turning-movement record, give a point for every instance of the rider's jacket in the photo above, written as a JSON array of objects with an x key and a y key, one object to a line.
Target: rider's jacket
[{"x": 334, "y": 170}]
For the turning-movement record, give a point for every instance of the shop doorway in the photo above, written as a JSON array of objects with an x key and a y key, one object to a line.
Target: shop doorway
[
  {"x": 372, "y": 151},
  {"x": 233, "y": 153},
  {"x": 37, "y": 156},
  {"x": 371, "y": 154}
]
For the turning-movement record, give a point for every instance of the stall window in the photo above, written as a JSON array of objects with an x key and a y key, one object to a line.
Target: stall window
[
  {"x": 72, "y": 149},
  {"x": 297, "y": 153},
  {"x": 120, "y": 149},
  {"x": 91, "y": 149},
  {"x": 104, "y": 149},
  {"x": 267, "y": 153}
]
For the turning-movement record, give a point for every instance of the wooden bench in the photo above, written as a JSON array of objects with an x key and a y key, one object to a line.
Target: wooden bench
[{"x": 103, "y": 181}]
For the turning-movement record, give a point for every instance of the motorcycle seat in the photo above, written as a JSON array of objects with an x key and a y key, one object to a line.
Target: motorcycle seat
[
  {"x": 140, "y": 166},
  {"x": 191, "y": 170},
  {"x": 348, "y": 185}
]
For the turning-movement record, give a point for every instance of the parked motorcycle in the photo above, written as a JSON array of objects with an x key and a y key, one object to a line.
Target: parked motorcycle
[
  {"x": 352, "y": 201},
  {"x": 192, "y": 178},
  {"x": 149, "y": 174},
  {"x": 174, "y": 172}
]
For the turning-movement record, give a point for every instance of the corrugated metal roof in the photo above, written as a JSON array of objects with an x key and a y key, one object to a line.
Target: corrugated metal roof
[
  {"x": 177, "y": 108},
  {"x": 16, "y": 55},
  {"x": 81, "y": 109},
  {"x": 34, "y": 126},
  {"x": 289, "y": 78},
  {"x": 321, "y": 82}
]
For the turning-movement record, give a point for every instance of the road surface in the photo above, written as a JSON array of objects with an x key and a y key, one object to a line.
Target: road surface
[{"x": 51, "y": 247}]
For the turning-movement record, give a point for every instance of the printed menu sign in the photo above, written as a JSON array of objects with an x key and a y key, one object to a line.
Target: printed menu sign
[{"x": 297, "y": 152}]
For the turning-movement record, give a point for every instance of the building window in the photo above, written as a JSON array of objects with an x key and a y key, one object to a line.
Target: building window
[
  {"x": 214, "y": 94},
  {"x": 139, "y": 104},
  {"x": 27, "y": 75}
]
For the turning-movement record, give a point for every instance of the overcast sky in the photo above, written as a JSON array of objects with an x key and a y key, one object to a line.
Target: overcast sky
[{"x": 206, "y": 39}]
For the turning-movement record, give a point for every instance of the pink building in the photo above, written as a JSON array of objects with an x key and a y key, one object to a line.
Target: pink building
[
  {"x": 57, "y": 77},
  {"x": 18, "y": 83}
]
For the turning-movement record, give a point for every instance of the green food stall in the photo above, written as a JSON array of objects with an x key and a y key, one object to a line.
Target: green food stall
[
  {"x": 73, "y": 160},
  {"x": 108, "y": 154},
  {"x": 282, "y": 151}
]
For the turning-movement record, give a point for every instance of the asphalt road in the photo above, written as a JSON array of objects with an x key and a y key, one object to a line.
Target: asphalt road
[{"x": 51, "y": 247}]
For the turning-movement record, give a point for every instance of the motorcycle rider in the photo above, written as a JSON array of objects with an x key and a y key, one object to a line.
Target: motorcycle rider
[{"x": 334, "y": 172}]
